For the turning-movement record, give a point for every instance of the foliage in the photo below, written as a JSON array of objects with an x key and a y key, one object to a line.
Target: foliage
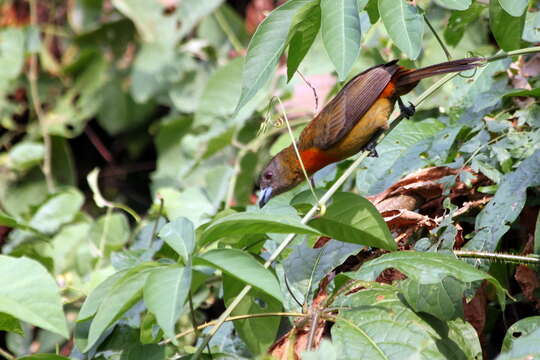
[{"x": 167, "y": 97}]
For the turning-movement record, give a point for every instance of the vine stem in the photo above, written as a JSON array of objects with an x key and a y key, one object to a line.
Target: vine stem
[
  {"x": 32, "y": 80},
  {"x": 330, "y": 192},
  {"x": 511, "y": 258}
]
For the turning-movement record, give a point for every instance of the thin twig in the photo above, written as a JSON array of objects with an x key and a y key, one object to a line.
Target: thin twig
[
  {"x": 312, "y": 89},
  {"x": 32, "y": 80},
  {"x": 234, "y": 318},
  {"x": 7, "y": 355},
  {"x": 439, "y": 40},
  {"x": 156, "y": 222},
  {"x": 507, "y": 258}
]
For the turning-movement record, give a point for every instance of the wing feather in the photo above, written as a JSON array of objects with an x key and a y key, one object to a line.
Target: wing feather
[{"x": 350, "y": 105}]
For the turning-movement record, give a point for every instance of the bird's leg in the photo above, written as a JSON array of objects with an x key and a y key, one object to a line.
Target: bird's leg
[
  {"x": 406, "y": 111},
  {"x": 370, "y": 146}
]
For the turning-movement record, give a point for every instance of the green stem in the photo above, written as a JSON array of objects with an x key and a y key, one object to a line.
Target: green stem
[
  {"x": 504, "y": 55},
  {"x": 507, "y": 258},
  {"x": 439, "y": 40},
  {"x": 7, "y": 355},
  {"x": 324, "y": 199},
  {"x": 237, "y": 45}
]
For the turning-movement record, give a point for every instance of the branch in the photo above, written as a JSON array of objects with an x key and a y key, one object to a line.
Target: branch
[{"x": 32, "y": 79}]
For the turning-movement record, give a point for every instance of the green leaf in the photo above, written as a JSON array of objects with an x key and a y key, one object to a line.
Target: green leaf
[
  {"x": 514, "y": 7},
  {"x": 25, "y": 155},
  {"x": 341, "y": 33},
  {"x": 191, "y": 203},
  {"x": 532, "y": 92},
  {"x": 306, "y": 24},
  {"x": 244, "y": 267},
  {"x": 426, "y": 268},
  {"x": 253, "y": 223},
  {"x": 379, "y": 325},
  {"x": 29, "y": 293},
  {"x": 179, "y": 234},
  {"x": 10, "y": 324},
  {"x": 121, "y": 296},
  {"x": 520, "y": 329},
  {"x": 95, "y": 298},
  {"x": 257, "y": 333},
  {"x": 11, "y": 53},
  {"x": 523, "y": 347},
  {"x": 151, "y": 333},
  {"x": 165, "y": 291},
  {"x": 504, "y": 208},
  {"x": 531, "y": 33},
  {"x": 43, "y": 357},
  {"x": 372, "y": 8},
  {"x": 454, "y": 4},
  {"x": 404, "y": 24},
  {"x": 506, "y": 28},
  {"x": 442, "y": 300},
  {"x": 459, "y": 22},
  {"x": 265, "y": 48},
  {"x": 220, "y": 96},
  {"x": 57, "y": 211},
  {"x": 352, "y": 218},
  {"x": 306, "y": 266},
  {"x": 110, "y": 231}
]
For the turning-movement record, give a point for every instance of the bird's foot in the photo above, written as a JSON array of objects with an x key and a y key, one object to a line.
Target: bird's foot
[
  {"x": 406, "y": 111},
  {"x": 371, "y": 148}
]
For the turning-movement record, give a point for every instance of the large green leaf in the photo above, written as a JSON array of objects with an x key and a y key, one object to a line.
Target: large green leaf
[
  {"x": 29, "y": 293},
  {"x": 244, "y": 267},
  {"x": 378, "y": 325},
  {"x": 506, "y": 29},
  {"x": 253, "y": 223},
  {"x": 180, "y": 235},
  {"x": 426, "y": 268},
  {"x": 10, "y": 324},
  {"x": 266, "y": 47},
  {"x": 352, "y": 218},
  {"x": 25, "y": 155},
  {"x": 514, "y": 7},
  {"x": 341, "y": 33},
  {"x": 520, "y": 329},
  {"x": 121, "y": 295},
  {"x": 306, "y": 24},
  {"x": 459, "y": 21},
  {"x": 57, "y": 211},
  {"x": 454, "y": 4},
  {"x": 404, "y": 24},
  {"x": 499, "y": 214},
  {"x": 306, "y": 266},
  {"x": 165, "y": 291},
  {"x": 258, "y": 333},
  {"x": 526, "y": 346},
  {"x": 443, "y": 300}
]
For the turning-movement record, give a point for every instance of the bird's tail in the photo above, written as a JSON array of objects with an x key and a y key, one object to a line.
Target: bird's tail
[{"x": 407, "y": 77}]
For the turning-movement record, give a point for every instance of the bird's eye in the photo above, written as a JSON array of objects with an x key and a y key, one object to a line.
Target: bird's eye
[{"x": 268, "y": 175}]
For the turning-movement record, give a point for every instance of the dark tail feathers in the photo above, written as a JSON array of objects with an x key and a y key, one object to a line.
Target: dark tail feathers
[{"x": 412, "y": 76}]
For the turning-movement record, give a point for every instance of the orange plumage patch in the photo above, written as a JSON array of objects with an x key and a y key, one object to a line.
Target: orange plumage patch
[
  {"x": 389, "y": 90},
  {"x": 315, "y": 159}
]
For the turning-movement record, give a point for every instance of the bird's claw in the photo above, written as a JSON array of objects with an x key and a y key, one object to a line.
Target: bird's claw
[{"x": 406, "y": 111}]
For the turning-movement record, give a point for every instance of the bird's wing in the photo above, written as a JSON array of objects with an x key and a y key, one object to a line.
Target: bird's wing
[{"x": 351, "y": 104}]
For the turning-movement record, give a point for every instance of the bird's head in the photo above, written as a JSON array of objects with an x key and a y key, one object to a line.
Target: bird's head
[{"x": 282, "y": 173}]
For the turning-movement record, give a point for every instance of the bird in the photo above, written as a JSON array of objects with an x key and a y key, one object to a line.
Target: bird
[{"x": 349, "y": 121}]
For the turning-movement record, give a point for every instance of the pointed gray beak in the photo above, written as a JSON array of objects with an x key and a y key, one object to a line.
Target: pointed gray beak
[{"x": 264, "y": 196}]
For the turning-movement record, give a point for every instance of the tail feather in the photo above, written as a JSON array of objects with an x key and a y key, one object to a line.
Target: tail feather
[{"x": 412, "y": 76}]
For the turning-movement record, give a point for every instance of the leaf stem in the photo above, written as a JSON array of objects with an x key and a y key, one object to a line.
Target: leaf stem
[
  {"x": 504, "y": 55},
  {"x": 439, "y": 40},
  {"x": 507, "y": 258},
  {"x": 34, "y": 94}
]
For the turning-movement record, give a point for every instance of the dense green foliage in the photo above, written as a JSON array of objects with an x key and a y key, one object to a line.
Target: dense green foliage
[{"x": 167, "y": 98}]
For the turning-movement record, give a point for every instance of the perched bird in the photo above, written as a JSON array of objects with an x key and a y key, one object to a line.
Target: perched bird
[{"x": 348, "y": 122}]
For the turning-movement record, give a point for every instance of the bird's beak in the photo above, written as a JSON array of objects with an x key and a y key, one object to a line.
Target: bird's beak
[{"x": 264, "y": 196}]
